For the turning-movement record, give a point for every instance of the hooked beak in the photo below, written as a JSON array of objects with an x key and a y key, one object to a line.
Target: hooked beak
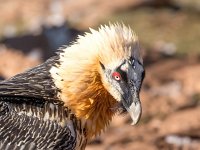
[
  {"x": 133, "y": 106},
  {"x": 135, "y": 111}
]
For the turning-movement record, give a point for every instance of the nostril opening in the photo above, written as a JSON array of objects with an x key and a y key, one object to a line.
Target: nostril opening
[{"x": 143, "y": 75}]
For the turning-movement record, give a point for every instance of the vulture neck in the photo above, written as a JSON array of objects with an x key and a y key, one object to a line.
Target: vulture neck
[
  {"x": 82, "y": 90},
  {"x": 94, "y": 104}
]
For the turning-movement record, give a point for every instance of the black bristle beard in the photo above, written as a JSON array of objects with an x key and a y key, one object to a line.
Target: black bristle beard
[{"x": 119, "y": 108}]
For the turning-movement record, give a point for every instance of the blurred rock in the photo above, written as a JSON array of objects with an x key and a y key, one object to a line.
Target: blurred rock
[
  {"x": 9, "y": 31},
  {"x": 80, "y": 13},
  {"x": 172, "y": 84},
  {"x": 45, "y": 43},
  {"x": 171, "y": 89},
  {"x": 178, "y": 140},
  {"x": 181, "y": 130},
  {"x": 186, "y": 122},
  {"x": 132, "y": 146},
  {"x": 189, "y": 77},
  {"x": 10, "y": 67},
  {"x": 167, "y": 49},
  {"x": 192, "y": 5}
]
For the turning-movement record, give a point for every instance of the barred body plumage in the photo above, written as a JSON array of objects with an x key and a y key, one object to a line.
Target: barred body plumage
[{"x": 32, "y": 116}]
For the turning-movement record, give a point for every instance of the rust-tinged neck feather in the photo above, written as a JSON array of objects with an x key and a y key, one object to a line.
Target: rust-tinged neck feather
[{"x": 83, "y": 92}]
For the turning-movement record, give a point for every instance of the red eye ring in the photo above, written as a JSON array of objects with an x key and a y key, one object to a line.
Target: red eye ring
[{"x": 116, "y": 76}]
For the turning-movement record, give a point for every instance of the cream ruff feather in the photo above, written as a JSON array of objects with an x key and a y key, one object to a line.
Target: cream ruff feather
[{"x": 79, "y": 77}]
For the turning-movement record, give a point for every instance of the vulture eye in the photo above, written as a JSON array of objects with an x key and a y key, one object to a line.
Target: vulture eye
[{"x": 116, "y": 76}]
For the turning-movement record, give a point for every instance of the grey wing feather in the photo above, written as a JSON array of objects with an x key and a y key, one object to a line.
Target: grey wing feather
[
  {"x": 36, "y": 82},
  {"x": 33, "y": 117},
  {"x": 25, "y": 127}
]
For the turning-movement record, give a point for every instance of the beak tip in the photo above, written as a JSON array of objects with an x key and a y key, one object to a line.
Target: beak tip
[
  {"x": 135, "y": 121},
  {"x": 135, "y": 111}
]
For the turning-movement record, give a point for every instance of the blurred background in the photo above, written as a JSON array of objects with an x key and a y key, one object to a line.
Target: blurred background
[{"x": 169, "y": 33}]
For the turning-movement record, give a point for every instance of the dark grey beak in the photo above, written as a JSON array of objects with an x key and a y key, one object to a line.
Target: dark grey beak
[
  {"x": 136, "y": 76},
  {"x": 132, "y": 104}
]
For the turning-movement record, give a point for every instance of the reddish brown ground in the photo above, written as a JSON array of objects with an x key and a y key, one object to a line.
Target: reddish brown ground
[{"x": 13, "y": 62}]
